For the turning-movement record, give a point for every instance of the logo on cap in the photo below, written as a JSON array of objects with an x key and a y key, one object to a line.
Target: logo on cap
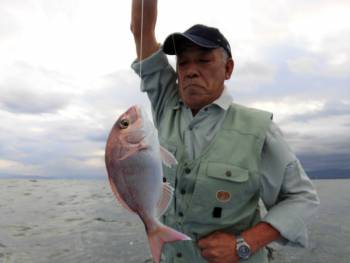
[{"x": 223, "y": 196}]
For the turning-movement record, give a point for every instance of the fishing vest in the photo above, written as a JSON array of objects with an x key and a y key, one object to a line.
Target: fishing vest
[{"x": 225, "y": 180}]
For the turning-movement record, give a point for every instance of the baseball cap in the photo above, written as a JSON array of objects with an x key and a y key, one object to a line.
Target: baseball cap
[{"x": 201, "y": 35}]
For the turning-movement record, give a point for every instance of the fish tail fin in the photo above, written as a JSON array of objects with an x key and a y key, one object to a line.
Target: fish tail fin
[{"x": 161, "y": 235}]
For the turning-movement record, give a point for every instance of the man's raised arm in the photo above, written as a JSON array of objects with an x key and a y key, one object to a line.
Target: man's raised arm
[{"x": 149, "y": 42}]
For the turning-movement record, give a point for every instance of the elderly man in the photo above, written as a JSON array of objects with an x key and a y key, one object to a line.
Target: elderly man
[{"x": 230, "y": 157}]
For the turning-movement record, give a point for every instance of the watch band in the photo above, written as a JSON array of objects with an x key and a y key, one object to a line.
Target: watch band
[{"x": 239, "y": 239}]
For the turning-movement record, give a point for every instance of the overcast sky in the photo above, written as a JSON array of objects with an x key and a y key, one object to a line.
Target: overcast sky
[{"x": 65, "y": 75}]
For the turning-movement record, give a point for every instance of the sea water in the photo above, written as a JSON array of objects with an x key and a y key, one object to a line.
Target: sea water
[
  {"x": 71, "y": 221},
  {"x": 66, "y": 221}
]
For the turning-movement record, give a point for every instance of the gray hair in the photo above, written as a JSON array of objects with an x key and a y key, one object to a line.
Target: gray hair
[{"x": 225, "y": 55}]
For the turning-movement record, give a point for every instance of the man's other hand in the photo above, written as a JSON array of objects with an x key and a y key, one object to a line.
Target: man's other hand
[{"x": 219, "y": 247}]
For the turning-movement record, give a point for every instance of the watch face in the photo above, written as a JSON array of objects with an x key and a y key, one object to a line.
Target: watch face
[{"x": 243, "y": 251}]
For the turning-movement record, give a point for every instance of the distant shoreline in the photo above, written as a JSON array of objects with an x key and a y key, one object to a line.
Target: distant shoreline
[
  {"x": 101, "y": 178},
  {"x": 29, "y": 177},
  {"x": 330, "y": 178}
]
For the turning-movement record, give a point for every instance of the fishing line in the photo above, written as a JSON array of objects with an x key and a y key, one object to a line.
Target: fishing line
[
  {"x": 173, "y": 38},
  {"x": 141, "y": 44}
]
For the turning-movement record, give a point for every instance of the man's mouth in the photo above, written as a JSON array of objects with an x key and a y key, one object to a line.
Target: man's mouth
[{"x": 196, "y": 86}]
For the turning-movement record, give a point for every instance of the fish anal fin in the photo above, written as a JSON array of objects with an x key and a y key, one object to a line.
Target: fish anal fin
[
  {"x": 165, "y": 199},
  {"x": 167, "y": 157}
]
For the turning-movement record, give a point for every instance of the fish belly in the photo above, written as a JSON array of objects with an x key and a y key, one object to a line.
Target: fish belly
[{"x": 138, "y": 180}]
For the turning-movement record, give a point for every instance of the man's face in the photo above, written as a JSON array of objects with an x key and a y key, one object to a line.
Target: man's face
[{"x": 201, "y": 74}]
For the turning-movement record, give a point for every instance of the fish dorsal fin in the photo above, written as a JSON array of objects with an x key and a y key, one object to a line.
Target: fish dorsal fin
[
  {"x": 167, "y": 157},
  {"x": 116, "y": 194},
  {"x": 165, "y": 199}
]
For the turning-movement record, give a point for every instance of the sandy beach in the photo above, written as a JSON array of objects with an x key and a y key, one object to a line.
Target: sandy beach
[{"x": 75, "y": 221}]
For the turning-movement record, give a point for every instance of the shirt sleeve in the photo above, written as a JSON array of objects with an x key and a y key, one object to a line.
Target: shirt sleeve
[
  {"x": 286, "y": 191},
  {"x": 159, "y": 82}
]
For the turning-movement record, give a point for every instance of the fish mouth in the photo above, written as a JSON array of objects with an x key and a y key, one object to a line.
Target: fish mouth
[
  {"x": 137, "y": 111},
  {"x": 143, "y": 127},
  {"x": 138, "y": 114},
  {"x": 133, "y": 114},
  {"x": 133, "y": 110}
]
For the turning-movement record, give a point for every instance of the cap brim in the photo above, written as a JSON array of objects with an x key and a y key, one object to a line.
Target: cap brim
[{"x": 172, "y": 42}]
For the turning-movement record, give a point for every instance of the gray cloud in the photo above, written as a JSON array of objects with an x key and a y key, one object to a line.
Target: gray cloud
[
  {"x": 318, "y": 162},
  {"x": 326, "y": 152},
  {"x": 98, "y": 135},
  {"x": 248, "y": 75},
  {"x": 58, "y": 146},
  {"x": 70, "y": 140},
  {"x": 68, "y": 146},
  {"x": 120, "y": 88},
  {"x": 323, "y": 144},
  {"x": 72, "y": 145},
  {"x": 32, "y": 90},
  {"x": 22, "y": 100},
  {"x": 283, "y": 83},
  {"x": 112, "y": 95},
  {"x": 330, "y": 59},
  {"x": 330, "y": 109}
]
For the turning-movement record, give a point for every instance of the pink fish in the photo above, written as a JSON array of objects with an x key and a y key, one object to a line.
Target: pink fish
[{"x": 134, "y": 165}]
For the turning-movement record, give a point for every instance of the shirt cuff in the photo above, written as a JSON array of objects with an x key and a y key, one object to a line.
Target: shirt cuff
[
  {"x": 154, "y": 63},
  {"x": 292, "y": 229}
]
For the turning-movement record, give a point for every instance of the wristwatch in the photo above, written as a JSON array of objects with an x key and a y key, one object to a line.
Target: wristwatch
[{"x": 242, "y": 248}]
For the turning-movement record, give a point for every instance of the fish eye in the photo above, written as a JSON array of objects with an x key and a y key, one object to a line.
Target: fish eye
[{"x": 124, "y": 123}]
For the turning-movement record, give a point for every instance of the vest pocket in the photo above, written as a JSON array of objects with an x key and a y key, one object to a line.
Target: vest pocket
[
  {"x": 222, "y": 194},
  {"x": 227, "y": 172}
]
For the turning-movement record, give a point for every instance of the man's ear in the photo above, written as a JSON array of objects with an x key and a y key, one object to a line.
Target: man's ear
[{"x": 230, "y": 64}]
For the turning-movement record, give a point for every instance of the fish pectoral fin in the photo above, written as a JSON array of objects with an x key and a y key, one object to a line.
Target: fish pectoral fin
[
  {"x": 165, "y": 199},
  {"x": 167, "y": 157}
]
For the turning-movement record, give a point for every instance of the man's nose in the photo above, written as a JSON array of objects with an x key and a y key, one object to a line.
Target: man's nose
[{"x": 191, "y": 71}]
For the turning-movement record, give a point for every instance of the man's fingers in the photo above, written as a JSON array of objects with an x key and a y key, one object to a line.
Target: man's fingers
[
  {"x": 211, "y": 256},
  {"x": 203, "y": 243},
  {"x": 208, "y": 240},
  {"x": 218, "y": 247},
  {"x": 208, "y": 255}
]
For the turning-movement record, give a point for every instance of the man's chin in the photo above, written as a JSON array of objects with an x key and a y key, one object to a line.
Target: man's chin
[
  {"x": 194, "y": 100},
  {"x": 194, "y": 105}
]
